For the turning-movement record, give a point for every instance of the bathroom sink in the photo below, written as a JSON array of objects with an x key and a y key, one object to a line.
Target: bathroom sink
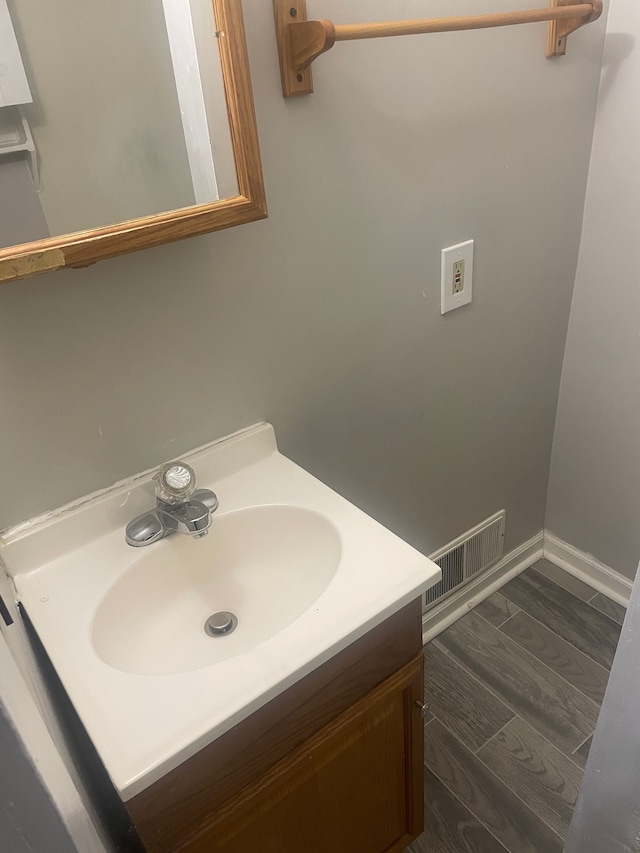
[
  {"x": 266, "y": 565},
  {"x": 304, "y": 571}
]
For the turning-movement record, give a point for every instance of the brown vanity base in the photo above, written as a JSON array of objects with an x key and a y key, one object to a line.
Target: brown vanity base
[{"x": 332, "y": 764}]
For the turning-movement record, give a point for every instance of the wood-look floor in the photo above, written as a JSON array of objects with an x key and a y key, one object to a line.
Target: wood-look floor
[{"x": 514, "y": 690}]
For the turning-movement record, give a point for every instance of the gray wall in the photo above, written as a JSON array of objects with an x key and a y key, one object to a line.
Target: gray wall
[
  {"x": 28, "y": 820},
  {"x": 325, "y": 318},
  {"x": 606, "y": 816},
  {"x": 594, "y": 490},
  {"x": 22, "y": 219}
]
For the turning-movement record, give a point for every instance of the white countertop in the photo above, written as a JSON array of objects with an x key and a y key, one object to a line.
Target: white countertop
[{"x": 145, "y": 725}]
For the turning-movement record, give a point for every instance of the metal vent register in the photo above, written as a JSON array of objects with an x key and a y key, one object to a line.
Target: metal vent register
[{"x": 469, "y": 554}]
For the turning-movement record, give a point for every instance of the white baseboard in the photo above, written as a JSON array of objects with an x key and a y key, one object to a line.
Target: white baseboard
[
  {"x": 587, "y": 568},
  {"x": 581, "y": 565},
  {"x": 515, "y": 562}
]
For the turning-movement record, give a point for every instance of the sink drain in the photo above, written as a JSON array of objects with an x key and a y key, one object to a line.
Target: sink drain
[{"x": 221, "y": 624}]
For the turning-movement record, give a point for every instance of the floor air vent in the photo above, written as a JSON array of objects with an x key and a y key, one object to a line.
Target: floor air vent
[{"x": 469, "y": 554}]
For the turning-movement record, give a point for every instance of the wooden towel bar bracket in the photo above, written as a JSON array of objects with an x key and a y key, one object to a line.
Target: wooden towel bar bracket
[{"x": 301, "y": 41}]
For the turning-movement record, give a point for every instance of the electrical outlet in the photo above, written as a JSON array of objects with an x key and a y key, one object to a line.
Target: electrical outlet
[{"x": 456, "y": 276}]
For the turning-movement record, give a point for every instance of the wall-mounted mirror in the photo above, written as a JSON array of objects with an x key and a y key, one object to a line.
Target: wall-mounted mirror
[{"x": 122, "y": 126}]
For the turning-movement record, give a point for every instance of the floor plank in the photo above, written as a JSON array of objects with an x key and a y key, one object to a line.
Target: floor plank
[
  {"x": 536, "y": 771},
  {"x": 489, "y": 799},
  {"x": 545, "y": 700},
  {"x": 449, "y": 826},
  {"x": 436, "y": 642},
  {"x": 496, "y": 609},
  {"x": 460, "y": 701},
  {"x": 575, "y": 621},
  {"x": 563, "y": 658},
  {"x": 582, "y": 753},
  {"x": 572, "y": 584},
  {"x": 610, "y": 608}
]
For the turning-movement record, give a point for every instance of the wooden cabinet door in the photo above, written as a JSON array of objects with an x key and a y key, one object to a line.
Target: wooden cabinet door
[{"x": 354, "y": 787}]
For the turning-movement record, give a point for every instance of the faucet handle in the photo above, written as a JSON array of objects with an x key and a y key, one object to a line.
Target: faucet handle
[
  {"x": 207, "y": 497},
  {"x": 175, "y": 483}
]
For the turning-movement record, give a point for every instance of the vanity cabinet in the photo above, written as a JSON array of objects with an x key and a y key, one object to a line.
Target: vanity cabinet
[{"x": 332, "y": 764}]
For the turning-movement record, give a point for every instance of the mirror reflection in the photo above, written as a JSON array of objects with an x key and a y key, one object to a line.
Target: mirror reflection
[{"x": 118, "y": 109}]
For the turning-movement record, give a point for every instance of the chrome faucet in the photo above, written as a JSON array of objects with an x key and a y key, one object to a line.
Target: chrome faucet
[{"x": 180, "y": 508}]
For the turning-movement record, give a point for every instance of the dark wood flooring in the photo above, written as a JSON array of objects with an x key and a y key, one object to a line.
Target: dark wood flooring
[{"x": 514, "y": 690}]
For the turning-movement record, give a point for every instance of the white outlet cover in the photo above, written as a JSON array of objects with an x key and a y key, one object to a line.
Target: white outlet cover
[{"x": 450, "y": 256}]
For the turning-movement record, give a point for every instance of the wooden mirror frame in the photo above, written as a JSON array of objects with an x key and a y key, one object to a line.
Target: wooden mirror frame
[{"x": 82, "y": 248}]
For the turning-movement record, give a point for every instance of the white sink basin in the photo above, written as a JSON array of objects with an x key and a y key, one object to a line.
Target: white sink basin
[
  {"x": 266, "y": 565},
  {"x": 305, "y": 572}
]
